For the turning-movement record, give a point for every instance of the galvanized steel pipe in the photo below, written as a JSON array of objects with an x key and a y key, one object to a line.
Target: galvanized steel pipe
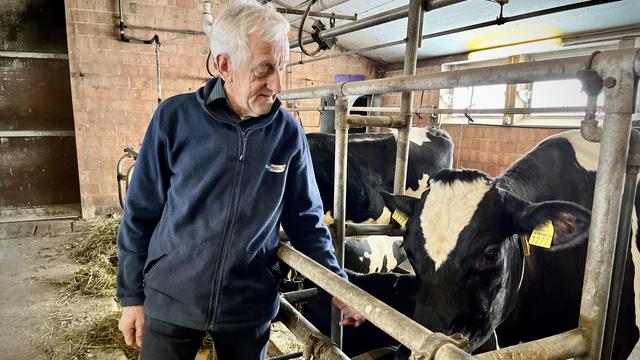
[
  {"x": 567, "y": 345},
  {"x": 386, "y": 121},
  {"x": 371, "y": 21},
  {"x": 374, "y": 20},
  {"x": 372, "y": 229},
  {"x": 620, "y": 260},
  {"x": 618, "y": 71},
  {"x": 300, "y": 295},
  {"x": 428, "y": 110},
  {"x": 339, "y": 199},
  {"x": 391, "y": 321},
  {"x": 321, "y": 346},
  {"x": 414, "y": 28},
  {"x": 557, "y": 69}
]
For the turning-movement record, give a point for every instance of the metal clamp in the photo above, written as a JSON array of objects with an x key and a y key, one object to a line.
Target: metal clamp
[
  {"x": 592, "y": 83},
  {"x": 435, "y": 341},
  {"x": 319, "y": 26}
]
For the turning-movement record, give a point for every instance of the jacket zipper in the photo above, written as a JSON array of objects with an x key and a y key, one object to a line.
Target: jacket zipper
[
  {"x": 213, "y": 300},
  {"x": 243, "y": 144}
]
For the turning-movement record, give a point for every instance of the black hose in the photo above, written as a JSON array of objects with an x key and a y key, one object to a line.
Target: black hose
[
  {"x": 304, "y": 18},
  {"x": 208, "y": 59}
]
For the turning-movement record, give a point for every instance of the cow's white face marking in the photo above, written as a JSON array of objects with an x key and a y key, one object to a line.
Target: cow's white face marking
[
  {"x": 417, "y": 136},
  {"x": 447, "y": 210},
  {"x": 587, "y": 153},
  {"x": 422, "y": 186}
]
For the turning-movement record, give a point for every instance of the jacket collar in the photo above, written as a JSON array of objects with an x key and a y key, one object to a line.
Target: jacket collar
[{"x": 215, "y": 102}]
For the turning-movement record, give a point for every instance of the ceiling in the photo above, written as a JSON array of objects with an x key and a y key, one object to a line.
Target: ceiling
[{"x": 625, "y": 13}]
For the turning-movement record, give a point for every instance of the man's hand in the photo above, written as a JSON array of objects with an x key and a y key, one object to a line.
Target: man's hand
[
  {"x": 131, "y": 325},
  {"x": 350, "y": 317}
]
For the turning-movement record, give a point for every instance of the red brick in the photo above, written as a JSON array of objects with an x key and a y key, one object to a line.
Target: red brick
[{"x": 509, "y": 147}]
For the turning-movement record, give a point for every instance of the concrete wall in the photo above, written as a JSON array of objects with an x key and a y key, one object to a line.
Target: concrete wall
[{"x": 114, "y": 84}]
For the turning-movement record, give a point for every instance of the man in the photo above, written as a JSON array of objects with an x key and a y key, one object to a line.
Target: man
[{"x": 219, "y": 170}]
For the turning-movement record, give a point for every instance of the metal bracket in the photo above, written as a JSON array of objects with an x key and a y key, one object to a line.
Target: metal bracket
[
  {"x": 319, "y": 26},
  {"x": 592, "y": 83}
]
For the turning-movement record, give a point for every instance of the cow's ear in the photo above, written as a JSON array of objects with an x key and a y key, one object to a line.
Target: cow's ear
[
  {"x": 570, "y": 221},
  {"x": 404, "y": 204}
]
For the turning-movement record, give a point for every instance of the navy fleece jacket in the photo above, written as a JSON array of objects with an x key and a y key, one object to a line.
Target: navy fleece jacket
[{"x": 197, "y": 243}]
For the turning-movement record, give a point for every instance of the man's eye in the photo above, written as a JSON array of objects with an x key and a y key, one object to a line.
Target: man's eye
[{"x": 262, "y": 71}]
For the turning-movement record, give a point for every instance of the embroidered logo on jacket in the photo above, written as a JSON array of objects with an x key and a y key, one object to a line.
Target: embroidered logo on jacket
[{"x": 274, "y": 168}]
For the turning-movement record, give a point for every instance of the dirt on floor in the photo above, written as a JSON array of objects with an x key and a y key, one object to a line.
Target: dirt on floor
[{"x": 42, "y": 320}]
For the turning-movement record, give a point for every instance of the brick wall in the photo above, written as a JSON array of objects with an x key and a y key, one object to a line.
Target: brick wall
[
  {"x": 429, "y": 98},
  {"x": 493, "y": 148},
  {"x": 114, "y": 84}
]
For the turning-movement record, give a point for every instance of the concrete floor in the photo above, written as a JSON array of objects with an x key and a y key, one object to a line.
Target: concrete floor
[{"x": 29, "y": 252}]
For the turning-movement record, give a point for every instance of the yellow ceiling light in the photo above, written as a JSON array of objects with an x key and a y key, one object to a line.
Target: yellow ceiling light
[
  {"x": 510, "y": 49},
  {"x": 499, "y": 42}
]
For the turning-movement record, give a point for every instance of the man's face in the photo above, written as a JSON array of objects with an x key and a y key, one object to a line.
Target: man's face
[{"x": 253, "y": 85}]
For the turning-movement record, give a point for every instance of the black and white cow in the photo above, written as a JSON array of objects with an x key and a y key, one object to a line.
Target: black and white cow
[
  {"x": 462, "y": 239},
  {"x": 370, "y": 169}
]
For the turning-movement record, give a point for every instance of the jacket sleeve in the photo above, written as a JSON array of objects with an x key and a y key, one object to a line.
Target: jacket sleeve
[
  {"x": 144, "y": 204},
  {"x": 302, "y": 214}
]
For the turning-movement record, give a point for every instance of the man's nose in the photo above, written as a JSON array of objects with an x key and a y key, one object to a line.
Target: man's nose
[{"x": 274, "y": 82}]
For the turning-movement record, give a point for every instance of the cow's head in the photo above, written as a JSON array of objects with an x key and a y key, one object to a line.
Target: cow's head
[{"x": 462, "y": 239}]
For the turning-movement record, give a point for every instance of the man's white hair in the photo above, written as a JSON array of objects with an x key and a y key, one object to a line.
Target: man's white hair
[{"x": 240, "y": 18}]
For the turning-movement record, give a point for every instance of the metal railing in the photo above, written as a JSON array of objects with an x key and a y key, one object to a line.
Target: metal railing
[{"x": 619, "y": 70}]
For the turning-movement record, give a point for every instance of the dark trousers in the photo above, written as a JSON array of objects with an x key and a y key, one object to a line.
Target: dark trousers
[{"x": 164, "y": 341}]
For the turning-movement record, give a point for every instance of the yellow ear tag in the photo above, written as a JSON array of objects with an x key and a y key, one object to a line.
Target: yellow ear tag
[
  {"x": 400, "y": 217},
  {"x": 542, "y": 235}
]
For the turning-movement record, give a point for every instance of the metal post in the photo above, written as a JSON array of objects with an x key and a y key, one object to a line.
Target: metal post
[
  {"x": 622, "y": 243},
  {"x": 620, "y": 260},
  {"x": 619, "y": 78},
  {"x": 589, "y": 126},
  {"x": 339, "y": 200},
  {"x": 510, "y": 94},
  {"x": 158, "y": 80},
  {"x": 414, "y": 27},
  {"x": 376, "y": 102}
]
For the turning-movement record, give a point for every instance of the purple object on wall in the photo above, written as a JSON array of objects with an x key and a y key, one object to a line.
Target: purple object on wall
[{"x": 348, "y": 78}]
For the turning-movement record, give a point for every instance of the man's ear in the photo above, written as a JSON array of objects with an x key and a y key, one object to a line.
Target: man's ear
[
  {"x": 223, "y": 65},
  {"x": 570, "y": 221},
  {"x": 402, "y": 203}
]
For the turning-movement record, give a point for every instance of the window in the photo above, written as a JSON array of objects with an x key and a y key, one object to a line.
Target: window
[
  {"x": 559, "y": 93},
  {"x": 542, "y": 94},
  {"x": 479, "y": 97}
]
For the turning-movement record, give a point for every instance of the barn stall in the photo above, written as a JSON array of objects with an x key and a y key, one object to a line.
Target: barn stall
[{"x": 436, "y": 43}]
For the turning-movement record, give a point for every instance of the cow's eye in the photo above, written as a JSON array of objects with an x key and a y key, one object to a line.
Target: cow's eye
[{"x": 491, "y": 255}]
